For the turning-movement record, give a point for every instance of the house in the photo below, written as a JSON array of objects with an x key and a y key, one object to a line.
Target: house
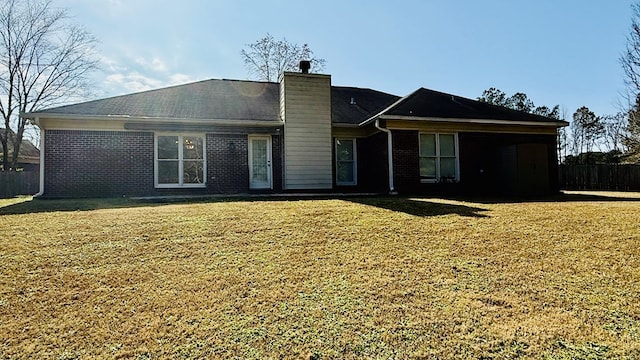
[
  {"x": 300, "y": 134},
  {"x": 28, "y": 155}
]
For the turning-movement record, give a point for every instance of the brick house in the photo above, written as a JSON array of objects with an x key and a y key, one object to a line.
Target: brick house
[{"x": 300, "y": 134}]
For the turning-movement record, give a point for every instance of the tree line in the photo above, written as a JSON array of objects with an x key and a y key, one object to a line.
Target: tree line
[{"x": 589, "y": 138}]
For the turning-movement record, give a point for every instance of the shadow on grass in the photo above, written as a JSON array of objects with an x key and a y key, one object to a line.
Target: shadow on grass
[
  {"x": 50, "y": 205},
  {"x": 412, "y": 206},
  {"x": 419, "y": 207},
  {"x": 563, "y": 197}
]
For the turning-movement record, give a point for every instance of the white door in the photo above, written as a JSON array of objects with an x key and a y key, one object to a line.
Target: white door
[{"x": 259, "y": 162}]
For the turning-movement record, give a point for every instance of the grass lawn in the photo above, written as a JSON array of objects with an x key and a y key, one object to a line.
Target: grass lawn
[{"x": 321, "y": 278}]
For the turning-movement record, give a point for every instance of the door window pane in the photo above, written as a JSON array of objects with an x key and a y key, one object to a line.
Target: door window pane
[{"x": 259, "y": 157}]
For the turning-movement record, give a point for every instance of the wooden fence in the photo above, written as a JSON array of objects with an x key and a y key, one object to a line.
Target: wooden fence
[
  {"x": 600, "y": 177},
  {"x": 14, "y": 183}
]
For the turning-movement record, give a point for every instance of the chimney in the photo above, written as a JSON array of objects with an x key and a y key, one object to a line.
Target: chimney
[{"x": 305, "y": 65}]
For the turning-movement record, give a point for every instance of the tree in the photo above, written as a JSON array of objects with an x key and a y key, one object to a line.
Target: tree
[
  {"x": 615, "y": 131},
  {"x": 586, "y": 129},
  {"x": 267, "y": 58},
  {"x": 630, "y": 61},
  {"x": 494, "y": 96},
  {"x": 519, "y": 101},
  {"x": 631, "y": 138},
  {"x": 44, "y": 61}
]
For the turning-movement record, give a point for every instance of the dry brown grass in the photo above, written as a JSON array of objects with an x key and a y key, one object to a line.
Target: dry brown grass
[{"x": 350, "y": 278}]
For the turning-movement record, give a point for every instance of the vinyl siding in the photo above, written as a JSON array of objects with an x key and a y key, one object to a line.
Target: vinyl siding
[{"x": 306, "y": 109}]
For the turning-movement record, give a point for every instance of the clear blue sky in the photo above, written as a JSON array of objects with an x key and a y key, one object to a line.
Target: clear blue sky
[{"x": 556, "y": 51}]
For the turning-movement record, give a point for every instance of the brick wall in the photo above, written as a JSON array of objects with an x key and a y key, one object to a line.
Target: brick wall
[
  {"x": 228, "y": 167},
  {"x": 227, "y": 163},
  {"x": 98, "y": 163},
  {"x": 406, "y": 167},
  {"x": 117, "y": 163}
]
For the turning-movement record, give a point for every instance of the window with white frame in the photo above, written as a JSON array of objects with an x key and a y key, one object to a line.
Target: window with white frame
[
  {"x": 345, "y": 161},
  {"x": 438, "y": 157},
  {"x": 180, "y": 160}
]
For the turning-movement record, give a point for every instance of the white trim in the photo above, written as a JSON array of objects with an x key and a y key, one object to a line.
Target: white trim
[
  {"x": 354, "y": 150},
  {"x": 269, "y": 161},
  {"x": 475, "y": 121},
  {"x": 180, "y": 161},
  {"x": 438, "y": 156}
]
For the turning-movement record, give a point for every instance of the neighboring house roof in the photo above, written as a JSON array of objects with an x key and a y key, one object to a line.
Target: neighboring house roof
[
  {"x": 425, "y": 103},
  {"x": 28, "y": 152}
]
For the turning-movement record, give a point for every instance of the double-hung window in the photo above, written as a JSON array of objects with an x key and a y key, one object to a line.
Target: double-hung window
[
  {"x": 180, "y": 161},
  {"x": 346, "y": 162},
  {"x": 438, "y": 157}
]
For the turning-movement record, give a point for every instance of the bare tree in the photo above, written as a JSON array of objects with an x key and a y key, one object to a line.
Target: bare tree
[
  {"x": 630, "y": 59},
  {"x": 44, "y": 61},
  {"x": 267, "y": 58},
  {"x": 615, "y": 127}
]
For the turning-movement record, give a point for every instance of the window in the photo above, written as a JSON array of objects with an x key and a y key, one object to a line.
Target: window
[
  {"x": 346, "y": 161},
  {"x": 438, "y": 157},
  {"x": 180, "y": 161}
]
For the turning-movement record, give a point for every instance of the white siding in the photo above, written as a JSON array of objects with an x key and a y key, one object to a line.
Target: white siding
[{"x": 306, "y": 109}]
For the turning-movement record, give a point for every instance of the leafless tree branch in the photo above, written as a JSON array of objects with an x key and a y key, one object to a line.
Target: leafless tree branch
[{"x": 44, "y": 61}]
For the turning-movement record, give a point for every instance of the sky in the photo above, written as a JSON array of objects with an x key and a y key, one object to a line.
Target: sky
[{"x": 558, "y": 52}]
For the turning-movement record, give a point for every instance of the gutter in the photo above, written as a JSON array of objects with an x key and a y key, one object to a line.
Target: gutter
[
  {"x": 152, "y": 119},
  {"x": 36, "y": 121},
  {"x": 392, "y": 190}
]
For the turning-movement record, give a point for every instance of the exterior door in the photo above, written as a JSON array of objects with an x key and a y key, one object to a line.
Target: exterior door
[{"x": 260, "y": 162}]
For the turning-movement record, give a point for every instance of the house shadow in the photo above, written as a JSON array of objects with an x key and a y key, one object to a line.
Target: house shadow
[
  {"x": 419, "y": 205},
  {"x": 421, "y": 208},
  {"x": 562, "y": 197},
  {"x": 68, "y": 205}
]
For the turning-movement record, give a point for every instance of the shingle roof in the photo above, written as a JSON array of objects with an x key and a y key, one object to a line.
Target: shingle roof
[
  {"x": 354, "y": 105},
  {"x": 228, "y": 100},
  {"x": 260, "y": 101},
  {"x": 209, "y": 99},
  {"x": 434, "y": 104}
]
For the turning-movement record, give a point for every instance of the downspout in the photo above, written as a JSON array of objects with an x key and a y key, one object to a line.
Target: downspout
[
  {"x": 392, "y": 190},
  {"x": 41, "y": 192}
]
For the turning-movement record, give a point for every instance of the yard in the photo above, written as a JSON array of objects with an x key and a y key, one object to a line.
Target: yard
[{"x": 386, "y": 277}]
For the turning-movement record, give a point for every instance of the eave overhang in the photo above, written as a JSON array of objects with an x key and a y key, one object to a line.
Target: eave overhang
[
  {"x": 150, "y": 119},
  {"x": 557, "y": 123}
]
